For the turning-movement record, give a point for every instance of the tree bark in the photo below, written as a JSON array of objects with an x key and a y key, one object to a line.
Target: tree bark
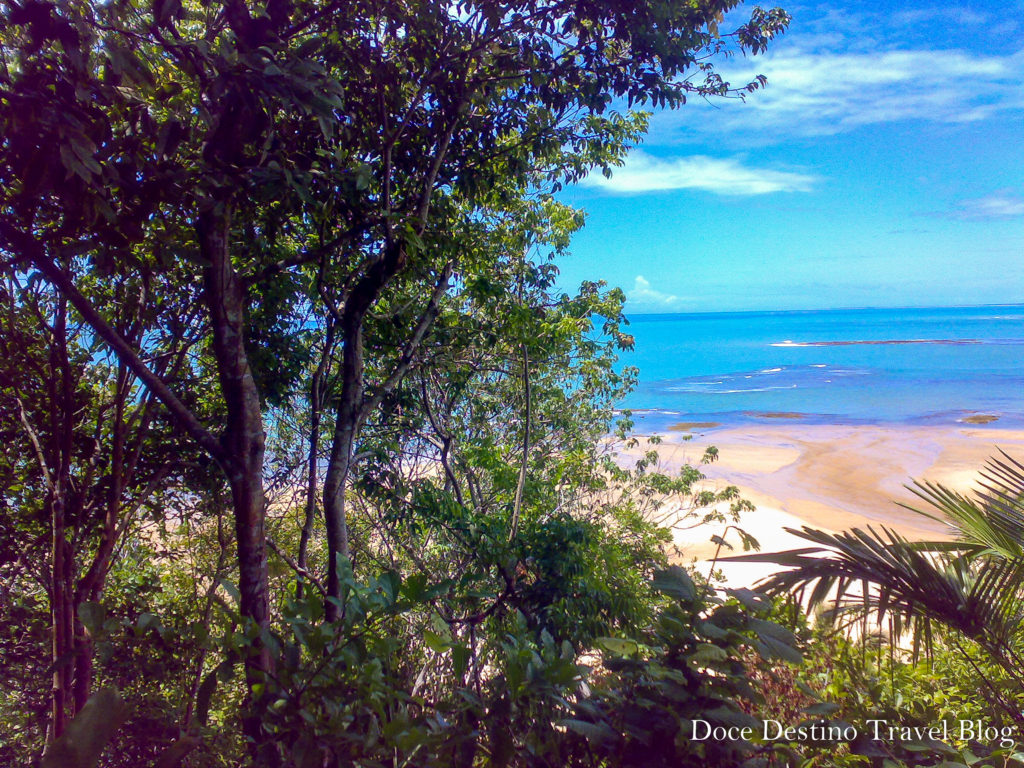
[
  {"x": 349, "y": 413},
  {"x": 61, "y": 618},
  {"x": 62, "y": 560},
  {"x": 81, "y": 684},
  {"x": 345, "y": 426},
  {"x": 316, "y": 404},
  {"x": 353, "y": 403},
  {"x": 243, "y": 438}
]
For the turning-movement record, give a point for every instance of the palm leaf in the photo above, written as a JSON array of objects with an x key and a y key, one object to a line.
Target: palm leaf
[
  {"x": 912, "y": 585},
  {"x": 972, "y": 585},
  {"x": 992, "y": 523}
]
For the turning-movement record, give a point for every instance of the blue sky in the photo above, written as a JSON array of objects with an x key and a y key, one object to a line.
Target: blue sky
[{"x": 882, "y": 166}]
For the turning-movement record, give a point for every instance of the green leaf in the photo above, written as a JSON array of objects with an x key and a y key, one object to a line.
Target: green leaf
[
  {"x": 675, "y": 582},
  {"x": 165, "y": 10},
  {"x": 618, "y": 645},
  {"x": 364, "y": 175},
  {"x": 713, "y": 631},
  {"x": 460, "y": 659},
  {"x": 232, "y": 591},
  {"x": 413, "y": 239},
  {"x": 434, "y": 641},
  {"x": 770, "y": 648},
  {"x": 92, "y": 615},
  {"x": 391, "y": 584},
  {"x": 87, "y": 735},
  {"x": 207, "y": 687},
  {"x": 771, "y": 629},
  {"x": 597, "y": 734},
  {"x": 750, "y": 599},
  {"x": 706, "y": 653}
]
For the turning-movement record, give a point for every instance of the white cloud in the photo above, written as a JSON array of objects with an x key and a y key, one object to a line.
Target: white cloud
[
  {"x": 996, "y": 206},
  {"x": 824, "y": 93},
  {"x": 722, "y": 176},
  {"x": 643, "y": 296},
  {"x": 827, "y": 90},
  {"x": 955, "y": 15}
]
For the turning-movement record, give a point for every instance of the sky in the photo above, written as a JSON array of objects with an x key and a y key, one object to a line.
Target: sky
[{"x": 883, "y": 166}]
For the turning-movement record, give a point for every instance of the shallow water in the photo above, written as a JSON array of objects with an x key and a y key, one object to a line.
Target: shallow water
[{"x": 916, "y": 366}]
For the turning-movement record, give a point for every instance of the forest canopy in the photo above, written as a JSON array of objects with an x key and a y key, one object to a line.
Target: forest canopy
[{"x": 304, "y": 452}]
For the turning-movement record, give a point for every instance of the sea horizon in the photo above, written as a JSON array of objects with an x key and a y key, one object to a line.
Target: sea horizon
[
  {"x": 870, "y": 365},
  {"x": 631, "y": 316}
]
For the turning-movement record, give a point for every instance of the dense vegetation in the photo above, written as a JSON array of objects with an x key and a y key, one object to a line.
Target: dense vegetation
[{"x": 305, "y": 460}]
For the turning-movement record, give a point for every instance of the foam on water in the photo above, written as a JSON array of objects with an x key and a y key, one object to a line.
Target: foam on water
[{"x": 848, "y": 366}]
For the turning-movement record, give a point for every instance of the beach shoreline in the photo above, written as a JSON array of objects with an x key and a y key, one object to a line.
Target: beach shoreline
[{"x": 832, "y": 477}]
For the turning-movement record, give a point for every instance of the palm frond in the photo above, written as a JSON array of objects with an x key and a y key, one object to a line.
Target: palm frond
[
  {"x": 989, "y": 524},
  {"x": 974, "y": 585},
  {"x": 911, "y": 585},
  {"x": 976, "y": 533}
]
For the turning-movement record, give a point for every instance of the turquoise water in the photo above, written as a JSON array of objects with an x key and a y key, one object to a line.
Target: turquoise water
[{"x": 734, "y": 367}]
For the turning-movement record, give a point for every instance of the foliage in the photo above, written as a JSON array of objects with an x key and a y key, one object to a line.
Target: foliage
[
  {"x": 868, "y": 679},
  {"x": 959, "y": 600},
  {"x": 689, "y": 667},
  {"x": 970, "y": 586},
  {"x": 279, "y": 303},
  {"x": 362, "y": 693},
  {"x": 365, "y": 696}
]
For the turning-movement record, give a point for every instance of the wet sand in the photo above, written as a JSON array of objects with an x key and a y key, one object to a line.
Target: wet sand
[{"x": 828, "y": 477}]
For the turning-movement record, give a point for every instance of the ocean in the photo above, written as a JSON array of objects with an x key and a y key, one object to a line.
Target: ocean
[{"x": 865, "y": 366}]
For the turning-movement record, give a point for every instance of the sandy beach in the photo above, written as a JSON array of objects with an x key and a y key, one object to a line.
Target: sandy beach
[{"x": 828, "y": 477}]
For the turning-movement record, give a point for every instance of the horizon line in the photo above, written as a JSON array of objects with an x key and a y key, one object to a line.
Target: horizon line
[{"x": 819, "y": 309}]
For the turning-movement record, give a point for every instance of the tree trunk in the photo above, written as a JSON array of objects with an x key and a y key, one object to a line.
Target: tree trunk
[
  {"x": 62, "y": 617},
  {"x": 316, "y": 404},
  {"x": 345, "y": 427},
  {"x": 243, "y": 438},
  {"x": 81, "y": 684},
  {"x": 353, "y": 405},
  {"x": 62, "y": 559}
]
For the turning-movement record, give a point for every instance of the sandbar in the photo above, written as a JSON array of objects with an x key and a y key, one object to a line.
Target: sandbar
[{"x": 831, "y": 477}]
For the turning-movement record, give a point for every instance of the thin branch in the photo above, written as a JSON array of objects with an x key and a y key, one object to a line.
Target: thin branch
[
  {"x": 187, "y": 420},
  {"x": 296, "y": 567},
  {"x": 411, "y": 347},
  {"x": 34, "y": 439},
  {"x": 517, "y": 505}
]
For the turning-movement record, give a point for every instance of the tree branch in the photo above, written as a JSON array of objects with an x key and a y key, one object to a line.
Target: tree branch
[
  {"x": 30, "y": 248},
  {"x": 521, "y": 483},
  {"x": 296, "y": 567},
  {"x": 412, "y": 345}
]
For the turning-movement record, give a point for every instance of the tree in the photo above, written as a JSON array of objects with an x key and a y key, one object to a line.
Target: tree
[
  {"x": 83, "y": 452},
  {"x": 296, "y": 160}
]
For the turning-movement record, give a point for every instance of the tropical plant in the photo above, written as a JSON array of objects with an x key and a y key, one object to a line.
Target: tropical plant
[
  {"x": 906, "y": 711},
  {"x": 312, "y": 164},
  {"x": 972, "y": 587},
  {"x": 296, "y": 258}
]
